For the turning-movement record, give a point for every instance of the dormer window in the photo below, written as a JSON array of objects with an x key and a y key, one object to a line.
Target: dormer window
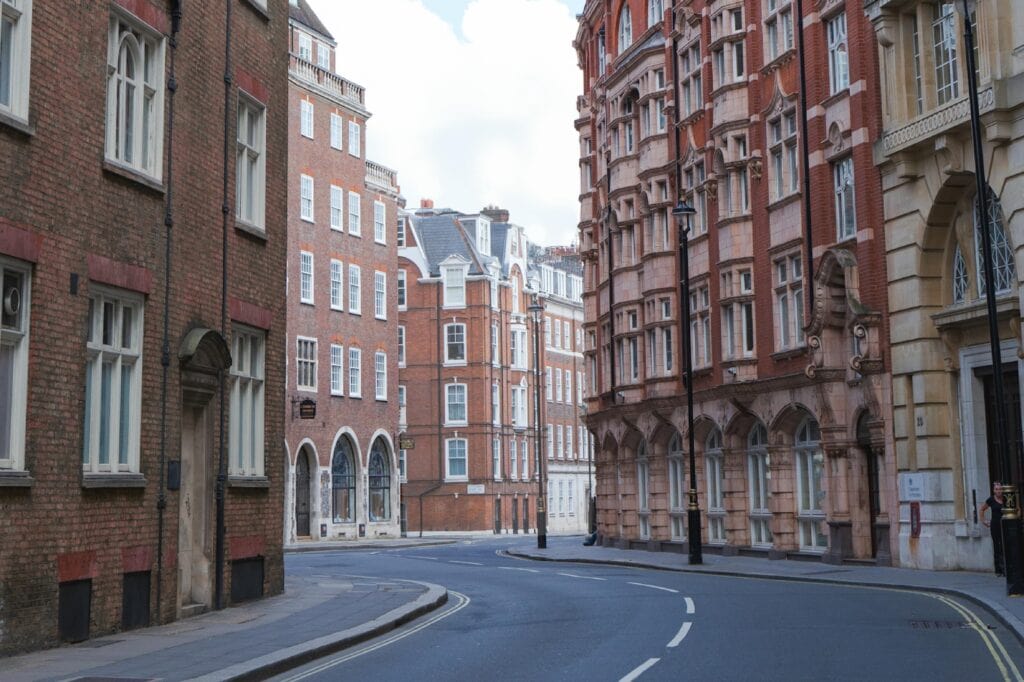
[
  {"x": 454, "y": 278},
  {"x": 483, "y": 237}
]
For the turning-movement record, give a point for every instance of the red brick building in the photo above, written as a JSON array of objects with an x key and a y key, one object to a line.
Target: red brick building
[
  {"x": 702, "y": 101},
  {"x": 341, "y": 410},
  {"x": 467, "y": 368},
  {"x": 142, "y": 243}
]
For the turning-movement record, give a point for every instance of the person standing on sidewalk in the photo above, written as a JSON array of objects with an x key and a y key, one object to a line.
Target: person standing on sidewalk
[{"x": 995, "y": 503}]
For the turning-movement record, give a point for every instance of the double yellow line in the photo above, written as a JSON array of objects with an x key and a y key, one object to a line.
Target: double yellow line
[{"x": 1003, "y": 660}]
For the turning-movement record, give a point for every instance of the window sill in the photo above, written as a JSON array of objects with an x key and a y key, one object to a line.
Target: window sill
[
  {"x": 248, "y": 482},
  {"x": 355, "y": 234},
  {"x": 355, "y": 397},
  {"x": 134, "y": 176},
  {"x": 338, "y": 228},
  {"x": 307, "y": 219},
  {"x": 381, "y": 400},
  {"x": 261, "y": 10},
  {"x": 784, "y": 200},
  {"x": 455, "y": 425},
  {"x": 108, "y": 480},
  {"x": 377, "y": 241},
  {"x": 456, "y": 479},
  {"x": 789, "y": 353},
  {"x": 251, "y": 229},
  {"x": 454, "y": 363},
  {"x": 16, "y": 479},
  {"x": 14, "y": 123}
]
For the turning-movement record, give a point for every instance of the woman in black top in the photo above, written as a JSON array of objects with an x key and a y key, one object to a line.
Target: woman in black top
[{"x": 995, "y": 503}]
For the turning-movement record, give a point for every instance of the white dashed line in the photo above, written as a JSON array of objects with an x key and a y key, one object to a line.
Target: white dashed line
[
  {"x": 683, "y": 631},
  {"x": 582, "y": 577},
  {"x": 656, "y": 587},
  {"x": 516, "y": 568},
  {"x": 689, "y": 605},
  {"x": 639, "y": 670},
  {"x": 428, "y": 558},
  {"x": 466, "y": 563}
]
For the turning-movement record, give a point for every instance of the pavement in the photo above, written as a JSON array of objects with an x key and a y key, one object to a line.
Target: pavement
[{"x": 985, "y": 589}]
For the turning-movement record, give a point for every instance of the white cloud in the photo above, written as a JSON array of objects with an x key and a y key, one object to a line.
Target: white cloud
[{"x": 485, "y": 118}]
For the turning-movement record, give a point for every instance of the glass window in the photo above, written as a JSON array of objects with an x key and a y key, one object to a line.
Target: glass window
[
  {"x": 455, "y": 411},
  {"x": 380, "y": 283},
  {"x": 456, "y": 458},
  {"x": 305, "y": 364},
  {"x": 846, "y": 216},
  {"x": 838, "y": 58},
  {"x": 355, "y": 277},
  {"x": 306, "y": 118},
  {"x": 625, "y": 29},
  {"x": 715, "y": 480},
  {"x": 343, "y": 482},
  {"x": 455, "y": 343},
  {"x": 380, "y": 379},
  {"x": 810, "y": 464},
  {"x": 401, "y": 289},
  {"x": 354, "y": 135},
  {"x": 380, "y": 482},
  {"x": 15, "y": 56},
  {"x": 246, "y": 409},
  {"x": 337, "y": 369},
  {"x": 758, "y": 486},
  {"x": 355, "y": 373},
  {"x": 14, "y": 340},
  {"x": 306, "y": 277},
  {"x": 337, "y": 208},
  {"x": 337, "y": 286},
  {"x": 1002, "y": 256},
  {"x": 336, "y": 128},
  {"x": 355, "y": 227},
  {"x": 250, "y": 169},
  {"x": 379, "y": 218},
  {"x": 947, "y": 72},
  {"x": 455, "y": 286},
  {"x": 306, "y": 198}
]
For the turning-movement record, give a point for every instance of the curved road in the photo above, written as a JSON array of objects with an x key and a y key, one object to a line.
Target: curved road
[{"x": 511, "y": 619}]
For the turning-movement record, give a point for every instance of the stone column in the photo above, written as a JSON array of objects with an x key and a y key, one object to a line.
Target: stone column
[
  {"x": 735, "y": 499},
  {"x": 837, "y": 512},
  {"x": 783, "y": 501}
]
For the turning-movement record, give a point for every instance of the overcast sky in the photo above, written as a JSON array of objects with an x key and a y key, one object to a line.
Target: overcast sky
[{"x": 473, "y": 101}]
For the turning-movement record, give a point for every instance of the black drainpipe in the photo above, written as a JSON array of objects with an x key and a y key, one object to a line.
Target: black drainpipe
[
  {"x": 805, "y": 151},
  {"x": 165, "y": 345},
  {"x": 440, "y": 407},
  {"x": 226, "y": 212}
]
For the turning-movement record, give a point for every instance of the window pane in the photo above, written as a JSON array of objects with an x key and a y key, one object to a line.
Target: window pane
[
  {"x": 106, "y": 377},
  {"x": 6, "y": 35}
]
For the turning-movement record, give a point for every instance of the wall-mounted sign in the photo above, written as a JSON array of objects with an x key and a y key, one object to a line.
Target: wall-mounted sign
[
  {"x": 406, "y": 443},
  {"x": 307, "y": 409},
  {"x": 911, "y": 487},
  {"x": 475, "y": 489}
]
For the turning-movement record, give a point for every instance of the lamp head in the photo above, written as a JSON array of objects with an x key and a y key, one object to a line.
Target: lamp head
[{"x": 683, "y": 210}]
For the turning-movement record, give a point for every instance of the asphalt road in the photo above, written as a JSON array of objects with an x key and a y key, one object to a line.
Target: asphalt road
[{"x": 511, "y": 619}]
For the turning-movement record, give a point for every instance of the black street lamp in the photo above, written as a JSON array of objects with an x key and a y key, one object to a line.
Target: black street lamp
[
  {"x": 536, "y": 308},
  {"x": 1011, "y": 524},
  {"x": 683, "y": 212}
]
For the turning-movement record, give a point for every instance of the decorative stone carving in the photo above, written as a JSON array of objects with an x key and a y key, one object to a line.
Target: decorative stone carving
[
  {"x": 754, "y": 165},
  {"x": 935, "y": 122},
  {"x": 817, "y": 359}
]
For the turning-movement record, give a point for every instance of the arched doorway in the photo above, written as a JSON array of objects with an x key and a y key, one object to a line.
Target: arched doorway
[
  {"x": 380, "y": 482},
  {"x": 343, "y": 482},
  {"x": 303, "y": 492}
]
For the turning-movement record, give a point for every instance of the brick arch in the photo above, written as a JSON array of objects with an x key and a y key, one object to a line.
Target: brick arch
[{"x": 782, "y": 429}]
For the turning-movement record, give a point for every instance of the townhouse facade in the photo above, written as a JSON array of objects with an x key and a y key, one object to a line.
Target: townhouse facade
[
  {"x": 467, "y": 372},
  {"x": 342, "y": 403},
  {"x": 142, "y": 334},
  {"x": 701, "y": 101},
  {"x": 568, "y": 448},
  {"x": 942, "y": 366}
]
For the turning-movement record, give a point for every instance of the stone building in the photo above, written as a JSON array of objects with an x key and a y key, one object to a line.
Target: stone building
[
  {"x": 341, "y": 410},
  {"x": 700, "y": 100},
  {"x": 466, "y": 369},
  {"x": 570, "y": 472},
  {"x": 142, "y": 244},
  {"x": 941, "y": 362}
]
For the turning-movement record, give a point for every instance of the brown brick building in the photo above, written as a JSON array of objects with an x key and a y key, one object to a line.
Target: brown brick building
[
  {"x": 342, "y": 304},
  {"x": 142, "y": 334},
  {"x": 467, "y": 369},
  {"x": 702, "y": 101}
]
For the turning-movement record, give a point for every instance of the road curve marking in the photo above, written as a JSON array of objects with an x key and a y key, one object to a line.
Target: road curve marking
[
  {"x": 689, "y": 606},
  {"x": 465, "y": 563},
  {"x": 656, "y": 587},
  {"x": 463, "y": 602},
  {"x": 683, "y": 631},
  {"x": 516, "y": 568},
  {"x": 581, "y": 577},
  {"x": 1008, "y": 668},
  {"x": 639, "y": 670}
]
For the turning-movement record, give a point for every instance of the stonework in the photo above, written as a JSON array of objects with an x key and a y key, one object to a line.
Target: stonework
[{"x": 791, "y": 430}]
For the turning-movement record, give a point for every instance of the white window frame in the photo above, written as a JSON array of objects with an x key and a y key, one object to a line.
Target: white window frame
[
  {"x": 380, "y": 369},
  {"x": 838, "y": 53},
  {"x": 845, "y": 201},
  {"x": 354, "y": 139},
  {"x": 496, "y": 403},
  {"x": 247, "y": 409},
  {"x": 459, "y": 447},
  {"x": 306, "y": 277},
  {"x": 306, "y": 114},
  {"x": 379, "y": 222},
  {"x": 453, "y": 392},
  {"x": 625, "y": 28},
  {"x": 459, "y": 330},
  {"x": 147, "y": 106},
  {"x": 337, "y": 285},
  {"x": 337, "y": 208},
  {"x": 454, "y": 293},
  {"x": 306, "y": 190},
  {"x": 355, "y": 214},
  {"x": 496, "y": 457},
  {"x": 355, "y": 277},
  {"x": 403, "y": 291},
  {"x": 250, "y": 162},
  {"x": 401, "y": 345},
  {"x": 808, "y": 457},
  {"x": 306, "y": 363},
  {"x": 323, "y": 56},
  {"x": 337, "y": 369},
  {"x": 355, "y": 372},
  {"x": 380, "y": 295},
  {"x": 714, "y": 468},
  {"x": 19, "y": 66},
  {"x": 305, "y": 48},
  {"x": 16, "y": 280},
  {"x": 337, "y": 123}
]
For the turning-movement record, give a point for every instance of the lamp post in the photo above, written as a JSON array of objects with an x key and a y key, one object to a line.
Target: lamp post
[
  {"x": 683, "y": 212},
  {"x": 1011, "y": 523},
  {"x": 536, "y": 308}
]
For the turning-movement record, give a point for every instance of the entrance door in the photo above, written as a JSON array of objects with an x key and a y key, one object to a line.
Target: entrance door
[
  {"x": 871, "y": 469},
  {"x": 302, "y": 494},
  {"x": 526, "y": 515},
  {"x": 515, "y": 517},
  {"x": 193, "y": 561},
  {"x": 1011, "y": 392},
  {"x": 497, "y": 515}
]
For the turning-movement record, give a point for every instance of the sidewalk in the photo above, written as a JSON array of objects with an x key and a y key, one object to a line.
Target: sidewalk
[
  {"x": 984, "y": 589},
  {"x": 317, "y": 615},
  {"x": 364, "y": 544}
]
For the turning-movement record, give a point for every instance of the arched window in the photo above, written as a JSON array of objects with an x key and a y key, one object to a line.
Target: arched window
[
  {"x": 642, "y": 491},
  {"x": 715, "y": 479},
  {"x": 676, "y": 491},
  {"x": 655, "y": 12},
  {"x": 343, "y": 482},
  {"x": 625, "y": 29},
  {"x": 134, "y": 96},
  {"x": 810, "y": 464},
  {"x": 959, "y": 276},
  {"x": 759, "y": 476},
  {"x": 1002, "y": 256},
  {"x": 380, "y": 483}
]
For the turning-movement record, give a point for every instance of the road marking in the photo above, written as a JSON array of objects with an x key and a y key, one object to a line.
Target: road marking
[
  {"x": 689, "y": 605},
  {"x": 582, "y": 577},
  {"x": 683, "y": 631},
  {"x": 467, "y": 563},
  {"x": 516, "y": 568},
  {"x": 1008, "y": 669},
  {"x": 463, "y": 602},
  {"x": 428, "y": 558},
  {"x": 656, "y": 587},
  {"x": 639, "y": 670}
]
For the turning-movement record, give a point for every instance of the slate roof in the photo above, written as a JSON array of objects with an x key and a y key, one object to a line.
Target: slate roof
[
  {"x": 441, "y": 236},
  {"x": 304, "y": 14}
]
